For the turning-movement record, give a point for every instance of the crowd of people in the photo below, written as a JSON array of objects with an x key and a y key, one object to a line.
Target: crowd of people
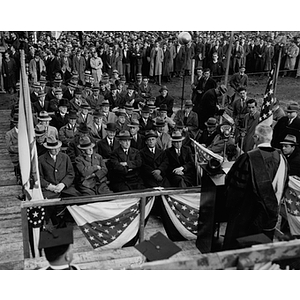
[{"x": 100, "y": 129}]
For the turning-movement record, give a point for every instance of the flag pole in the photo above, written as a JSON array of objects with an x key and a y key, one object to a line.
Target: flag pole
[{"x": 277, "y": 71}]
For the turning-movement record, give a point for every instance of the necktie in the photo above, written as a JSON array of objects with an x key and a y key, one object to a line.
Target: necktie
[
  {"x": 178, "y": 152},
  {"x": 126, "y": 152}
]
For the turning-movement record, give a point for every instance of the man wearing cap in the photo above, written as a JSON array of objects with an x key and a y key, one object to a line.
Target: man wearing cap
[
  {"x": 146, "y": 123},
  {"x": 291, "y": 151},
  {"x": 181, "y": 166},
  {"x": 125, "y": 165},
  {"x": 154, "y": 162},
  {"x": 67, "y": 132},
  {"x": 44, "y": 119},
  {"x": 189, "y": 119},
  {"x": 165, "y": 98},
  {"x": 11, "y": 139},
  {"x": 60, "y": 117},
  {"x": 289, "y": 124},
  {"x": 109, "y": 143},
  {"x": 91, "y": 170},
  {"x": 69, "y": 93},
  {"x": 114, "y": 98},
  {"x": 41, "y": 104},
  {"x": 137, "y": 141},
  {"x": 58, "y": 249},
  {"x": 254, "y": 188},
  {"x": 97, "y": 128},
  {"x": 208, "y": 105},
  {"x": 108, "y": 116},
  {"x": 209, "y": 132}
]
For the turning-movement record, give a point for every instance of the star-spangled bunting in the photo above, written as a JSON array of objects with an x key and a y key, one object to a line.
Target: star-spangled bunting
[
  {"x": 292, "y": 204},
  {"x": 268, "y": 101},
  {"x": 204, "y": 154},
  {"x": 101, "y": 233},
  {"x": 35, "y": 216}
]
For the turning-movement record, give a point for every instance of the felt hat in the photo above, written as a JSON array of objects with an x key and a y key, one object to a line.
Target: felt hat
[
  {"x": 58, "y": 91},
  {"x": 128, "y": 106},
  {"x": 163, "y": 107},
  {"x": 83, "y": 128},
  {"x": 98, "y": 114},
  {"x": 124, "y": 135},
  {"x": 163, "y": 88},
  {"x": 43, "y": 79},
  {"x": 95, "y": 88},
  {"x": 179, "y": 125},
  {"x": 113, "y": 87},
  {"x": 44, "y": 116},
  {"x": 290, "y": 140},
  {"x": 188, "y": 103},
  {"x": 130, "y": 86},
  {"x": 63, "y": 102},
  {"x": 72, "y": 84},
  {"x": 72, "y": 115},
  {"x": 52, "y": 143},
  {"x": 145, "y": 109},
  {"x": 85, "y": 143},
  {"x": 115, "y": 72},
  {"x": 39, "y": 130},
  {"x": 134, "y": 123},
  {"x": 78, "y": 91},
  {"x": 111, "y": 127},
  {"x": 292, "y": 106},
  {"x": 159, "y": 122},
  {"x": 150, "y": 133},
  {"x": 85, "y": 105},
  {"x": 36, "y": 85},
  {"x": 121, "y": 112},
  {"x": 177, "y": 136},
  {"x": 211, "y": 122}
]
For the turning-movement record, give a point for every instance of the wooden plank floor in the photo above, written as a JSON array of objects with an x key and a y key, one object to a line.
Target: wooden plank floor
[{"x": 11, "y": 243}]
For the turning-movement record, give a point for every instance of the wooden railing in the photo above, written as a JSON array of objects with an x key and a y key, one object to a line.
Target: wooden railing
[{"x": 99, "y": 198}]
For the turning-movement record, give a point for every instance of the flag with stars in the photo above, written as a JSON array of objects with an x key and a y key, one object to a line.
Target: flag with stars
[
  {"x": 266, "y": 114},
  {"x": 111, "y": 224},
  {"x": 183, "y": 212},
  {"x": 292, "y": 203},
  {"x": 204, "y": 154},
  {"x": 35, "y": 216}
]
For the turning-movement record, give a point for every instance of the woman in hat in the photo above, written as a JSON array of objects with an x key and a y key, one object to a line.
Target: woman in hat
[{"x": 91, "y": 170}]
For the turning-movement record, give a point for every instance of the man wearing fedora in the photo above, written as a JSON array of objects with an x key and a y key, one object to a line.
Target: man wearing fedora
[
  {"x": 108, "y": 143},
  {"x": 145, "y": 90},
  {"x": 162, "y": 113},
  {"x": 252, "y": 199},
  {"x": 84, "y": 115},
  {"x": 291, "y": 151},
  {"x": 91, "y": 170},
  {"x": 67, "y": 132},
  {"x": 114, "y": 98},
  {"x": 209, "y": 104},
  {"x": 189, "y": 119},
  {"x": 125, "y": 165},
  {"x": 181, "y": 170},
  {"x": 163, "y": 138},
  {"x": 76, "y": 102},
  {"x": 165, "y": 98},
  {"x": 154, "y": 162},
  {"x": 69, "y": 93},
  {"x": 146, "y": 123},
  {"x": 122, "y": 121},
  {"x": 40, "y": 139},
  {"x": 97, "y": 128},
  {"x": 60, "y": 118},
  {"x": 44, "y": 119},
  {"x": 54, "y": 102},
  {"x": 41, "y": 104},
  {"x": 57, "y": 176},
  {"x": 138, "y": 140},
  {"x": 34, "y": 95},
  {"x": 108, "y": 116},
  {"x": 209, "y": 133},
  {"x": 95, "y": 99},
  {"x": 289, "y": 124}
]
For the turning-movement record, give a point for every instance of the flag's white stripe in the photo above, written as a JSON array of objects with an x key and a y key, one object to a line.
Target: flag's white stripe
[
  {"x": 130, "y": 231},
  {"x": 99, "y": 211},
  {"x": 192, "y": 199},
  {"x": 182, "y": 230},
  {"x": 294, "y": 224},
  {"x": 294, "y": 183}
]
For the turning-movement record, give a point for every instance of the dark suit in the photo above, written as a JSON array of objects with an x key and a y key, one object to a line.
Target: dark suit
[
  {"x": 125, "y": 178},
  {"x": 146, "y": 126},
  {"x": 294, "y": 162},
  {"x": 34, "y": 97},
  {"x": 151, "y": 162},
  {"x": 186, "y": 161},
  {"x": 104, "y": 149},
  {"x": 38, "y": 108},
  {"x": 67, "y": 95},
  {"x": 58, "y": 121},
  {"x": 203, "y": 86},
  {"x": 139, "y": 143},
  {"x": 191, "y": 121},
  {"x": 168, "y": 100}
]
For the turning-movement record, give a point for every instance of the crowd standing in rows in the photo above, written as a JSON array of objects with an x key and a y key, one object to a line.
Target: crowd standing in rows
[{"x": 100, "y": 128}]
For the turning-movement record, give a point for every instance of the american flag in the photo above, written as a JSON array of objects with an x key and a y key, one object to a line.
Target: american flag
[
  {"x": 266, "y": 114},
  {"x": 111, "y": 224},
  {"x": 292, "y": 203},
  {"x": 204, "y": 154},
  {"x": 183, "y": 211}
]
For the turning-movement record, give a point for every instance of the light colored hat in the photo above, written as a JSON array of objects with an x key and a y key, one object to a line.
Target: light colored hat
[
  {"x": 177, "y": 136},
  {"x": 44, "y": 116},
  {"x": 39, "y": 130},
  {"x": 124, "y": 135},
  {"x": 52, "y": 143},
  {"x": 85, "y": 143},
  {"x": 289, "y": 140}
]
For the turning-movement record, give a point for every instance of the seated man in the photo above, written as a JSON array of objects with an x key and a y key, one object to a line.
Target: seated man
[
  {"x": 91, "y": 170},
  {"x": 95, "y": 99},
  {"x": 108, "y": 116},
  {"x": 57, "y": 176},
  {"x": 189, "y": 119},
  {"x": 154, "y": 163},
  {"x": 83, "y": 115},
  {"x": 125, "y": 165},
  {"x": 67, "y": 132},
  {"x": 54, "y": 102},
  {"x": 60, "y": 118},
  {"x": 41, "y": 104},
  {"x": 146, "y": 123},
  {"x": 57, "y": 248},
  {"x": 209, "y": 133},
  {"x": 138, "y": 141},
  {"x": 162, "y": 113},
  {"x": 97, "y": 128},
  {"x": 165, "y": 98},
  {"x": 181, "y": 169},
  {"x": 44, "y": 119},
  {"x": 40, "y": 139},
  {"x": 163, "y": 138},
  {"x": 121, "y": 120}
]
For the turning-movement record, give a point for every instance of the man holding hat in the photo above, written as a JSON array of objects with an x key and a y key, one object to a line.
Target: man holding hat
[
  {"x": 291, "y": 151},
  {"x": 208, "y": 105},
  {"x": 44, "y": 119},
  {"x": 189, "y": 119},
  {"x": 165, "y": 98},
  {"x": 97, "y": 128},
  {"x": 125, "y": 165},
  {"x": 109, "y": 143},
  {"x": 41, "y": 104},
  {"x": 58, "y": 249},
  {"x": 181, "y": 166},
  {"x": 60, "y": 118},
  {"x": 154, "y": 162},
  {"x": 289, "y": 124},
  {"x": 67, "y": 132},
  {"x": 91, "y": 169}
]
